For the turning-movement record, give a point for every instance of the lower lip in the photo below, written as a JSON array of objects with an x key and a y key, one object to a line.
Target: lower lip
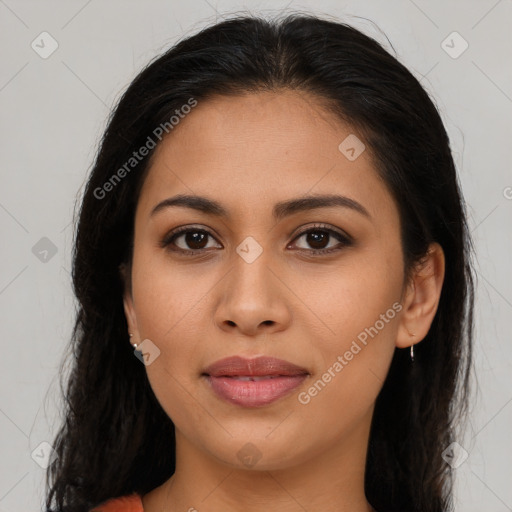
[{"x": 249, "y": 393}]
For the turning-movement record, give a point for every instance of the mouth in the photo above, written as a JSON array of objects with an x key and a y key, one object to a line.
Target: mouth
[{"x": 253, "y": 382}]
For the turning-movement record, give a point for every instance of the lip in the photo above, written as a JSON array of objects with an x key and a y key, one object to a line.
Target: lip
[
  {"x": 253, "y": 382},
  {"x": 237, "y": 366}
]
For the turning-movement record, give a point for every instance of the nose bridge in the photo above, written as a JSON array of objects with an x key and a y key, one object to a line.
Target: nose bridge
[{"x": 251, "y": 277}]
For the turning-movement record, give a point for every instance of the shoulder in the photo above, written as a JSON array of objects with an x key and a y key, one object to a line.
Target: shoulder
[{"x": 130, "y": 503}]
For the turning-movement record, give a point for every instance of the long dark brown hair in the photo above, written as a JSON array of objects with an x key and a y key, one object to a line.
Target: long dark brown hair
[{"x": 116, "y": 439}]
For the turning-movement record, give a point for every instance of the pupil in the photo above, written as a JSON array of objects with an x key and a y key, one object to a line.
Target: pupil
[
  {"x": 194, "y": 239},
  {"x": 316, "y": 238}
]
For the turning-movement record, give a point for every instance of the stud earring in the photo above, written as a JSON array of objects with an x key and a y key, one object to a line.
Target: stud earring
[{"x": 133, "y": 344}]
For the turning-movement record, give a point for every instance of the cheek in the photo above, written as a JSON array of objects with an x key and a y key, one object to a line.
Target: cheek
[
  {"x": 167, "y": 308},
  {"x": 362, "y": 308},
  {"x": 360, "y": 292},
  {"x": 354, "y": 358},
  {"x": 167, "y": 295}
]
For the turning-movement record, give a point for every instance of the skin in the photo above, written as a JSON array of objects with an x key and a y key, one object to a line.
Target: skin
[{"x": 248, "y": 153}]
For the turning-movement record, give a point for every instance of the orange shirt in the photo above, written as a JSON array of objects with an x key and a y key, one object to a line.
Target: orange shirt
[{"x": 130, "y": 503}]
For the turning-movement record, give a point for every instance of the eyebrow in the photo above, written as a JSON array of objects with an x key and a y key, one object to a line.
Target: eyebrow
[{"x": 280, "y": 210}]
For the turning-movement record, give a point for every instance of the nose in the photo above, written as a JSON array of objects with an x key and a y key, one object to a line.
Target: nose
[{"x": 252, "y": 299}]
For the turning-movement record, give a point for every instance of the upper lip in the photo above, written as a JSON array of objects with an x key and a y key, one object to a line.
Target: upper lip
[{"x": 237, "y": 366}]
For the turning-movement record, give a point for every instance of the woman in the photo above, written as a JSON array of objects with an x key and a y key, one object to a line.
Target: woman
[{"x": 274, "y": 222}]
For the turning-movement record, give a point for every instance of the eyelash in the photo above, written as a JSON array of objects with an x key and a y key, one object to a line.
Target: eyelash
[{"x": 344, "y": 240}]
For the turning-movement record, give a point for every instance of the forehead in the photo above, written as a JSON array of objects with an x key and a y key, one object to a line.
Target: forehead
[{"x": 261, "y": 147}]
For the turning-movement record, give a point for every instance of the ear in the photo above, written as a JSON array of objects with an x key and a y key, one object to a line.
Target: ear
[
  {"x": 129, "y": 310},
  {"x": 422, "y": 297}
]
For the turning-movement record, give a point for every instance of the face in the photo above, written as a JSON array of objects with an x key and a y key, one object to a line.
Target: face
[{"x": 318, "y": 287}]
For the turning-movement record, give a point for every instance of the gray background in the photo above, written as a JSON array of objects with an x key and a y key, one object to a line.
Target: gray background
[{"x": 55, "y": 109}]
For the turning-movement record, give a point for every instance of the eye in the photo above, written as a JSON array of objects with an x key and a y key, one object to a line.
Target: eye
[
  {"x": 193, "y": 240},
  {"x": 320, "y": 236}
]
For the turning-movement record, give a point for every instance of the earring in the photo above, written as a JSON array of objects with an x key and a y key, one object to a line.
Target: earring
[
  {"x": 412, "y": 348},
  {"x": 133, "y": 344}
]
